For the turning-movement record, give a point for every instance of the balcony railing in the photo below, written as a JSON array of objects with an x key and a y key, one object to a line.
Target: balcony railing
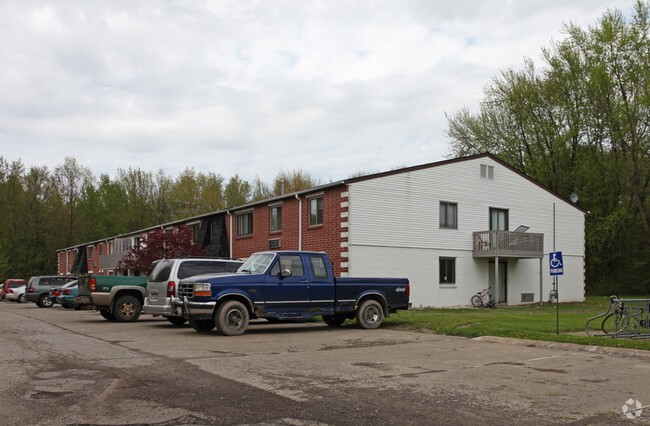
[
  {"x": 109, "y": 261},
  {"x": 508, "y": 244}
]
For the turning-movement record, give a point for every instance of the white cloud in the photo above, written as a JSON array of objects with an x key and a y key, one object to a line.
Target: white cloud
[{"x": 253, "y": 87}]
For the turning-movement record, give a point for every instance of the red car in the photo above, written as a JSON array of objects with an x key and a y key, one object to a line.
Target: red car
[{"x": 10, "y": 283}]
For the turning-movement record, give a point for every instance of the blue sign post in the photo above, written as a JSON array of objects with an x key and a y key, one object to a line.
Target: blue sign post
[{"x": 556, "y": 267}]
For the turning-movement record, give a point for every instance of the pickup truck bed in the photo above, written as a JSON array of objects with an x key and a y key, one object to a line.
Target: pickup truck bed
[{"x": 117, "y": 298}]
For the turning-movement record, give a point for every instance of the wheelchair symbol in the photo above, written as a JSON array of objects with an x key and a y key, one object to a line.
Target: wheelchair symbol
[{"x": 555, "y": 262}]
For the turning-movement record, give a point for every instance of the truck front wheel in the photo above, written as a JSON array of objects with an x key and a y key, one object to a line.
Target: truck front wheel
[
  {"x": 231, "y": 318},
  {"x": 127, "y": 309},
  {"x": 370, "y": 314}
]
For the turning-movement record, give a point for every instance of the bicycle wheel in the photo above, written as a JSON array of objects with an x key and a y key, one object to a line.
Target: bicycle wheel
[
  {"x": 614, "y": 323},
  {"x": 477, "y": 301}
]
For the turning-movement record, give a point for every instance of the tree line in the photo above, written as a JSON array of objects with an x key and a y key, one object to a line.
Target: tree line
[
  {"x": 44, "y": 210},
  {"x": 580, "y": 124}
]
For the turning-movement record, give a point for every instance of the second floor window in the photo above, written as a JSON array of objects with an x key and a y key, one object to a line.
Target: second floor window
[
  {"x": 276, "y": 218},
  {"x": 316, "y": 211},
  {"x": 448, "y": 215},
  {"x": 245, "y": 224}
]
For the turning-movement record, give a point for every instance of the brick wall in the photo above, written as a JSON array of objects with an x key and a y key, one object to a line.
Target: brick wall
[{"x": 327, "y": 237}]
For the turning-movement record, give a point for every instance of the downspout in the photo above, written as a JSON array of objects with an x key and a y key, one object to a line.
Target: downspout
[
  {"x": 299, "y": 222},
  {"x": 230, "y": 233}
]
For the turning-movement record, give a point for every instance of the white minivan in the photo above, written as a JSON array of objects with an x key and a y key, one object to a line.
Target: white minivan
[{"x": 164, "y": 278}]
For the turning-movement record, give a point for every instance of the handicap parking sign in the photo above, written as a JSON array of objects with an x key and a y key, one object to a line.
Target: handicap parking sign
[{"x": 555, "y": 262}]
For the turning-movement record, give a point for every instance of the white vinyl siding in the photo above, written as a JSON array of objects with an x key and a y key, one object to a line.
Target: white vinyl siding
[{"x": 394, "y": 222}]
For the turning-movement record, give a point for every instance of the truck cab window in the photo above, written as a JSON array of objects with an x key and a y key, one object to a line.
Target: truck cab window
[{"x": 293, "y": 263}]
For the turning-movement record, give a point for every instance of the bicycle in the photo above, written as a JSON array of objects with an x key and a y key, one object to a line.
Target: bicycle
[
  {"x": 624, "y": 319},
  {"x": 479, "y": 299}
]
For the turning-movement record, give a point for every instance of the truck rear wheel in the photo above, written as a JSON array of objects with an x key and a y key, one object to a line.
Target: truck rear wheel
[
  {"x": 370, "y": 314},
  {"x": 231, "y": 318},
  {"x": 127, "y": 309}
]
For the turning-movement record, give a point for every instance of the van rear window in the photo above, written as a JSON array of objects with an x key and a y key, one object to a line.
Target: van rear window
[
  {"x": 190, "y": 268},
  {"x": 161, "y": 271}
]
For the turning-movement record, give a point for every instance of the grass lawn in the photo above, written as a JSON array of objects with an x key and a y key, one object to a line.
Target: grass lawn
[{"x": 522, "y": 322}]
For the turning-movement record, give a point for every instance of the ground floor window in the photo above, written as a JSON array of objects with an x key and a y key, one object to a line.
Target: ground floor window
[{"x": 447, "y": 270}]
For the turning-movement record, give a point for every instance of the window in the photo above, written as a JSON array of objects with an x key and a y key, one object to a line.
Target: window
[
  {"x": 90, "y": 252},
  {"x": 290, "y": 262},
  {"x": 316, "y": 211},
  {"x": 245, "y": 224},
  {"x": 487, "y": 172},
  {"x": 276, "y": 218},
  {"x": 447, "y": 270},
  {"x": 189, "y": 268},
  {"x": 448, "y": 215},
  {"x": 498, "y": 219},
  {"x": 318, "y": 266},
  {"x": 194, "y": 227}
]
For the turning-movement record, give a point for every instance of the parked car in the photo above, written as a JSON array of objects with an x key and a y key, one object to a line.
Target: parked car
[
  {"x": 38, "y": 288},
  {"x": 16, "y": 294},
  {"x": 10, "y": 283},
  {"x": 164, "y": 278},
  {"x": 64, "y": 296}
]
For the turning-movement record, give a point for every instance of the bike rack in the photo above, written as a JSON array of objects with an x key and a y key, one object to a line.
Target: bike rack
[{"x": 631, "y": 319}]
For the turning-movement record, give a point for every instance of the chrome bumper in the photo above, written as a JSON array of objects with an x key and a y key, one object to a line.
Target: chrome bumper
[{"x": 196, "y": 310}]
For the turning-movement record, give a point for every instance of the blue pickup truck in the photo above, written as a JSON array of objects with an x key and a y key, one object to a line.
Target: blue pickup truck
[{"x": 286, "y": 286}]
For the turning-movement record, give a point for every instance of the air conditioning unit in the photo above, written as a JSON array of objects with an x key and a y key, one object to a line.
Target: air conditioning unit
[{"x": 274, "y": 243}]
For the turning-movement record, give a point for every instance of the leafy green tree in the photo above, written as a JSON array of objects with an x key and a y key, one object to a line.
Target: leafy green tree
[
  {"x": 581, "y": 124},
  {"x": 72, "y": 180},
  {"x": 286, "y": 182},
  {"x": 237, "y": 192}
]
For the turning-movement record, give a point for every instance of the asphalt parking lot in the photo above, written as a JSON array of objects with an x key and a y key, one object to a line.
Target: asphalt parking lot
[{"x": 74, "y": 367}]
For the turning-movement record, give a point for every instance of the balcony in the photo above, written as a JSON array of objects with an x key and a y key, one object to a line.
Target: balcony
[
  {"x": 508, "y": 244},
  {"x": 109, "y": 261}
]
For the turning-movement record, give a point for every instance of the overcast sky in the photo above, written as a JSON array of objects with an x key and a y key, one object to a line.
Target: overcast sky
[{"x": 253, "y": 87}]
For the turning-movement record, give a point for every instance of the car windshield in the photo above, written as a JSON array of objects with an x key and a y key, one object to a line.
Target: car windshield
[{"x": 257, "y": 263}]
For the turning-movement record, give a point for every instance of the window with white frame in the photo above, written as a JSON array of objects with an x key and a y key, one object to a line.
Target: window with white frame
[
  {"x": 487, "y": 172},
  {"x": 245, "y": 224},
  {"x": 447, "y": 270},
  {"x": 448, "y": 215},
  {"x": 316, "y": 211}
]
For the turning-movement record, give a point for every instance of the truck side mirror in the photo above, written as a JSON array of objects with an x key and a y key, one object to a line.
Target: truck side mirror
[{"x": 285, "y": 273}]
